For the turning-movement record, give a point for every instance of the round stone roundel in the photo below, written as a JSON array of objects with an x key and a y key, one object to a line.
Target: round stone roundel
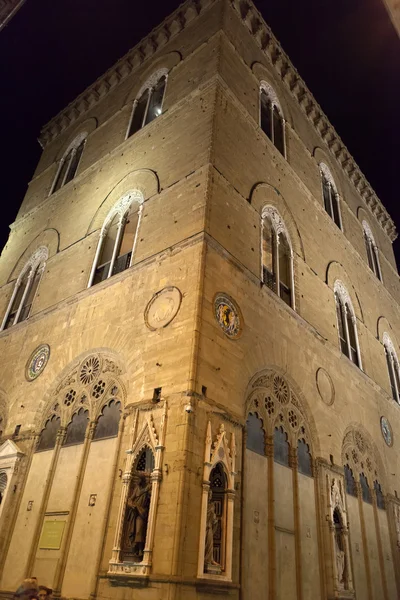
[
  {"x": 37, "y": 362},
  {"x": 228, "y": 315},
  {"x": 162, "y": 308},
  {"x": 386, "y": 431}
]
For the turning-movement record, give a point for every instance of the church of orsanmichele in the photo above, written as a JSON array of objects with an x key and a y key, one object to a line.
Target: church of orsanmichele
[{"x": 200, "y": 328}]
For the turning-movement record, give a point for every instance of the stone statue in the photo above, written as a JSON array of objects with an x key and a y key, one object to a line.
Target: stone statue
[
  {"x": 138, "y": 505},
  {"x": 211, "y": 527},
  {"x": 340, "y": 557}
]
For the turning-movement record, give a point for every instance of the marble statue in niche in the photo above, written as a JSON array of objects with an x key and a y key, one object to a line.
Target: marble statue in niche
[
  {"x": 210, "y": 565},
  {"x": 138, "y": 505},
  {"x": 339, "y": 548}
]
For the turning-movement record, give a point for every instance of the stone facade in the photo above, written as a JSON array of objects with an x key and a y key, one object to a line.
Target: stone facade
[{"x": 191, "y": 425}]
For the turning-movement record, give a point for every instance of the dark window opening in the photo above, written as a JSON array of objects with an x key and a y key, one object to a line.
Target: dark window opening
[
  {"x": 108, "y": 422},
  {"x": 255, "y": 440},
  {"x": 157, "y": 395},
  {"x": 77, "y": 428},
  {"x": 281, "y": 447},
  {"x": 304, "y": 462},
  {"x": 365, "y": 491},
  {"x": 148, "y": 107},
  {"x": 351, "y": 487},
  {"x": 380, "y": 498},
  {"x": 48, "y": 436}
]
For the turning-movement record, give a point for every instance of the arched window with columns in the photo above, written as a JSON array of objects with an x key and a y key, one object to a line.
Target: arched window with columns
[
  {"x": 347, "y": 324},
  {"x": 69, "y": 163},
  {"x": 330, "y": 195},
  {"x": 393, "y": 366},
  {"x": 277, "y": 255},
  {"x": 272, "y": 121},
  {"x": 24, "y": 292},
  {"x": 149, "y": 102},
  {"x": 372, "y": 251},
  {"x": 118, "y": 238}
]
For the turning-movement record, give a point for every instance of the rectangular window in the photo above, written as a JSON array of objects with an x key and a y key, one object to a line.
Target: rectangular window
[
  {"x": 266, "y": 114},
  {"x": 155, "y": 104},
  {"x": 139, "y": 114},
  {"x": 341, "y": 327},
  {"x": 278, "y": 131}
]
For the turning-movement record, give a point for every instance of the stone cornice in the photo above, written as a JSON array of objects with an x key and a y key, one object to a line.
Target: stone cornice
[
  {"x": 145, "y": 49},
  {"x": 270, "y": 46}
]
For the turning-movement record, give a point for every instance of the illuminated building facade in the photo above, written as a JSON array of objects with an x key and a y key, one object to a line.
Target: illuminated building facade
[{"x": 200, "y": 337}]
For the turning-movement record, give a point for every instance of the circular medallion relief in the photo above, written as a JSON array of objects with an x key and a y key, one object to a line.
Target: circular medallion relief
[
  {"x": 325, "y": 386},
  {"x": 162, "y": 308},
  {"x": 386, "y": 431},
  {"x": 228, "y": 315},
  {"x": 37, "y": 362}
]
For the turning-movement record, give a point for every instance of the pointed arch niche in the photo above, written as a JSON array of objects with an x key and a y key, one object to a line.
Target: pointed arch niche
[
  {"x": 280, "y": 490},
  {"x": 366, "y": 518},
  {"x": 217, "y": 506},
  {"x": 135, "y": 527}
]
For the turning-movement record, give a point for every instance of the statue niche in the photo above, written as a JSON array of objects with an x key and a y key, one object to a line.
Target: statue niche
[
  {"x": 137, "y": 508},
  {"x": 339, "y": 549},
  {"x": 214, "y": 552}
]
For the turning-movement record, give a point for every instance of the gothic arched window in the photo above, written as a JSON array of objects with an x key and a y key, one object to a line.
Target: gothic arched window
[
  {"x": 117, "y": 238},
  {"x": 49, "y": 434},
  {"x": 365, "y": 489},
  {"x": 393, "y": 367},
  {"x": 330, "y": 195},
  {"x": 108, "y": 422},
  {"x": 255, "y": 434},
  {"x": 77, "y": 428},
  {"x": 281, "y": 446},
  {"x": 372, "y": 251},
  {"x": 347, "y": 324},
  {"x": 304, "y": 462},
  {"x": 69, "y": 163},
  {"x": 149, "y": 102},
  {"x": 25, "y": 289},
  {"x": 277, "y": 256},
  {"x": 351, "y": 487},
  {"x": 271, "y": 117}
]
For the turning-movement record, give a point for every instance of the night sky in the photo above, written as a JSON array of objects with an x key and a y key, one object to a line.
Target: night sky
[{"x": 347, "y": 51}]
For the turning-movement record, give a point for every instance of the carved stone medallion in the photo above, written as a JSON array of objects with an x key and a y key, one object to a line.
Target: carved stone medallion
[
  {"x": 228, "y": 315},
  {"x": 325, "y": 386},
  {"x": 162, "y": 308},
  {"x": 386, "y": 431},
  {"x": 37, "y": 362}
]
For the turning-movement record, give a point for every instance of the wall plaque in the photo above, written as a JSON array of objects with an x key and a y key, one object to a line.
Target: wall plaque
[
  {"x": 162, "y": 308},
  {"x": 325, "y": 386},
  {"x": 37, "y": 362},
  {"x": 228, "y": 315},
  {"x": 51, "y": 536}
]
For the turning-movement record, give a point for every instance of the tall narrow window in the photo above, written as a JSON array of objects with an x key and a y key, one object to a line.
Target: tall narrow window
[
  {"x": 277, "y": 256},
  {"x": 330, "y": 195},
  {"x": 69, "y": 163},
  {"x": 255, "y": 434},
  {"x": 25, "y": 289},
  {"x": 372, "y": 251},
  {"x": 380, "y": 498},
  {"x": 148, "y": 106},
  {"x": 304, "y": 462},
  {"x": 393, "y": 367},
  {"x": 351, "y": 487},
  {"x": 365, "y": 489},
  {"x": 117, "y": 238},
  {"x": 271, "y": 117},
  {"x": 347, "y": 324},
  {"x": 281, "y": 446}
]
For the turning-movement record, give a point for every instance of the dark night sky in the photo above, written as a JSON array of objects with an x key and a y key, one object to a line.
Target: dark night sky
[{"x": 347, "y": 51}]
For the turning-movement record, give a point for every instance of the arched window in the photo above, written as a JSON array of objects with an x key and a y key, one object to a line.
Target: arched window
[
  {"x": 25, "y": 289},
  {"x": 271, "y": 117},
  {"x": 49, "y": 434},
  {"x": 380, "y": 498},
  {"x": 108, "y": 422},
  {"x": 365, "y": 490},
  {"x": 69, "y": 163},
  {"x": 304, "y": 458},
  {"x": 277, "y": 255},
  {"x": 393, "y": 367},
  {"x": 372, "y": 251},
  {"x": 347, "y": 324},
  {"x": 255, "y": 434},
  {"x": 117, "y": 238},
  {"x": 330, "y": 195},
  {"x": 148, "y": 104},
  {"x": 351, "y": 487},
  {"x": 281, "y": 446},
  {"x": 77, "y": 428}
]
